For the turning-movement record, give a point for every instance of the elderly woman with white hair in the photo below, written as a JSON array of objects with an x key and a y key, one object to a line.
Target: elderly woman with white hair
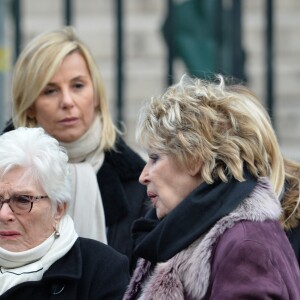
[{"x": 41, "y": 254}]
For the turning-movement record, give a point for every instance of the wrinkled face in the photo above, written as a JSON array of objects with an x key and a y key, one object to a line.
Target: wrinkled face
[
  {"x": 21, "y": 232},
  {"x": 66, "y": 106},
  {"x": 167, "y": 184}
]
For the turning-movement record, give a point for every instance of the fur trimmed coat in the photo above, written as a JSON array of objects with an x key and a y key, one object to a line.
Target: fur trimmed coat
[{"x": 245, "y": 253}]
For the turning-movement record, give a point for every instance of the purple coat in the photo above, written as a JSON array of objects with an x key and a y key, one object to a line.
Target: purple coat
[
  {"x": 244, "y": 254},
  {"x": 254, "y": 258}
]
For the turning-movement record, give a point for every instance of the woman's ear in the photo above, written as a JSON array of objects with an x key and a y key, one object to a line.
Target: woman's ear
[
  {"x": 61, "y": 209},
  {"x": 195, "y": 169},
  {"x": 31, "y": 112}
]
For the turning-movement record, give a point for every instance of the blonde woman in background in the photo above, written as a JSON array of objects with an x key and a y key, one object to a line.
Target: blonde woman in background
[
  {"x": 290, "y": 200},
  {"x": 285, "y": 173},
  {"x": 57, "y": 86}
]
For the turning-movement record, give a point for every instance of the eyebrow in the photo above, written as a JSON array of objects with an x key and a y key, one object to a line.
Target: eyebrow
[
  {"x": 10, "y": 193},
  {"x": 80, "y": 77},
  {"x": 21, "y": 192}
]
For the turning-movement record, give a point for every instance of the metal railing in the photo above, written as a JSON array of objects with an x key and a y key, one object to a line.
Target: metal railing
[{"x": 237, "y": 52}]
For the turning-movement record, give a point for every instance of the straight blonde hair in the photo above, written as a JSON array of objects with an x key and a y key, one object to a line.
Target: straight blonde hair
[{"x": 38, "y": 63}]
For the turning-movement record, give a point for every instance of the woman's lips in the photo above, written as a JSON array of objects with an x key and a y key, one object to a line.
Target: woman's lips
[
  {"x": 153, "y": 198},
  {"x": 69, "y": 121},
  {"x": 9, "y": 235}
]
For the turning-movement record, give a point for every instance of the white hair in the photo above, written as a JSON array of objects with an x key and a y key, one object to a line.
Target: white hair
[{"x": 44, "y": 161}]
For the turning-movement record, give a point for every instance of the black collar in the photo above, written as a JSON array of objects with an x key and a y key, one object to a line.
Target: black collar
[{"x": 70, "y": 266}]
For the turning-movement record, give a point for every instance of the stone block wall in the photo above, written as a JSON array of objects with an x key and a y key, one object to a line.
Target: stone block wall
[{"x": 145, "y": 63}]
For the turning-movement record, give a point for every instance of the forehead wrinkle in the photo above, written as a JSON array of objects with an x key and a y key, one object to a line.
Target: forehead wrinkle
[
  {"x": 22, "y": 184},
  {"x": 5, "y": 187}
]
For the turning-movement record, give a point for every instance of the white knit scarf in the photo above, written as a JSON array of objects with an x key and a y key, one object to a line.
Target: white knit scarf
[
  {"x": 86, "y": 159},
  {"x": 30, "y": 265}
]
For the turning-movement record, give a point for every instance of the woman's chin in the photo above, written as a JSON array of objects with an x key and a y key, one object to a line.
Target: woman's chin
[
  {"x": 160, "y": 215},
  {"x": 12, "y": 247}
]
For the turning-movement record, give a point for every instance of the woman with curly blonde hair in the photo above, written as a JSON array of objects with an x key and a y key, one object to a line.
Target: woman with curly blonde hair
[{"x": 214, "y": 230}]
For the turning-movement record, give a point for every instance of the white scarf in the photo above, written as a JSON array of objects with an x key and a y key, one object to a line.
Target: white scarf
[
  {"x": 86, "y": 159},
  {"x": 30, "y": 265}
]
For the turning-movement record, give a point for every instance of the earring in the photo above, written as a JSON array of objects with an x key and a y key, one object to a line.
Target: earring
[{"x": 56, "y": 232}]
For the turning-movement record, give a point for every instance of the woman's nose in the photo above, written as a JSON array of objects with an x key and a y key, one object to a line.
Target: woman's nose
[
  {"x": 5, "y": 211},
  {"x": 67, "y": 99},
  {"x": 144, "y": 177}
]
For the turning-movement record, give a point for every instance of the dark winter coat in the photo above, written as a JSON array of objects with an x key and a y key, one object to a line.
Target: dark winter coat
[
  {"x": 124, "y": 198},
  {"x": 90, "y": 270},
  {"x": 244, "y": 255},
  {"x": 294, "y": 238}
]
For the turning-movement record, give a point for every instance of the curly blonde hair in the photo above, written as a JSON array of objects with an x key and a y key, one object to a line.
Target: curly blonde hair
[
  {"x": 223, "y": 126},
  {"x": 291, "y": 196}
]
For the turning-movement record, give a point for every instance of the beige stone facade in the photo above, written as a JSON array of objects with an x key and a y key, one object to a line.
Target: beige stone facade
[{"x": 145, "y": 63}]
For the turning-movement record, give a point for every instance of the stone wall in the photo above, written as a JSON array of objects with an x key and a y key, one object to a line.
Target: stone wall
[{"x": 145, "y": 63}]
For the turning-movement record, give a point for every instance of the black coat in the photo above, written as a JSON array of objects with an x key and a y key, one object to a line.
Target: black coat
[
  {"x": 90, "y": 270},
  {"x": 294, "y": 238},
  {"x": 124, "y": 198}
]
